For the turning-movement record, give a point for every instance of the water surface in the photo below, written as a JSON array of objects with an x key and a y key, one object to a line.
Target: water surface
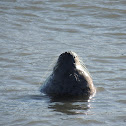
[{"x": 34, "y": 33}]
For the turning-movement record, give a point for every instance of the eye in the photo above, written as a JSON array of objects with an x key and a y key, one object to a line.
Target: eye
[{"x": 74, "y": 57}]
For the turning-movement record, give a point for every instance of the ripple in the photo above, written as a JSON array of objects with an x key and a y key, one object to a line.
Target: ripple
[
  {"x": 33, "y": 32},
  {"x": 121, "y": 101},
  {"x": 100, "y": 89}
]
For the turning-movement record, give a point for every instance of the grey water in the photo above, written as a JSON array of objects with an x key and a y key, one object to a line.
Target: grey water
[{"x": 33, "y": 33}]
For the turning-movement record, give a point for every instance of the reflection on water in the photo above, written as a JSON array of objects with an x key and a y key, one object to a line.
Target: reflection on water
[
  {"x": 70, "y": 108},
  {"x": 34, "y": 33},
  {"x": 66, "y": 106}
]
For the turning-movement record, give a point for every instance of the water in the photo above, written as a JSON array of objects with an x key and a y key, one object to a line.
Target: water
[{"x": 34, "y": 33}]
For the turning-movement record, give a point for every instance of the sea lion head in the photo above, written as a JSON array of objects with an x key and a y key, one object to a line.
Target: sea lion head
[{"x": 66, "y": 61}]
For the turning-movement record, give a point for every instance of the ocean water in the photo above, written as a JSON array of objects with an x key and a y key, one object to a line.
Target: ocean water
[{"x": 33, "y": 33}]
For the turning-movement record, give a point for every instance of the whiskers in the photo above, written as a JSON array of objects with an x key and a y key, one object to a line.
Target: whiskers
[{"x": 84, "y": 66}]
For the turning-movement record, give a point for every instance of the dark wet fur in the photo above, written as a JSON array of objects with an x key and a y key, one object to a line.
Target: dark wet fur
[{"x": 67, "y": 81}]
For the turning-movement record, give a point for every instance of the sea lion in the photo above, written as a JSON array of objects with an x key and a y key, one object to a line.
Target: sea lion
[{"x": 69, "y": 78}]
